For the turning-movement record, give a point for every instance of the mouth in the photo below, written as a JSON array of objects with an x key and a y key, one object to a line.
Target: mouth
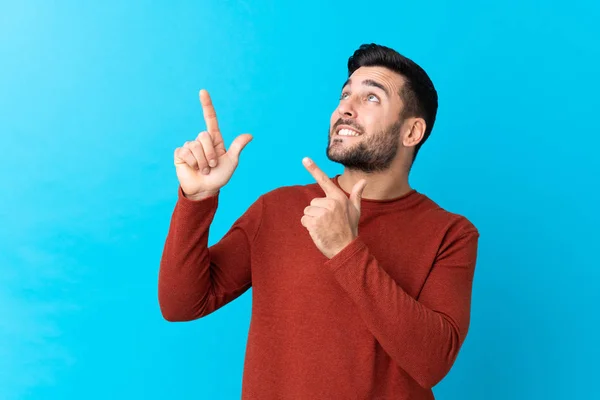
[{"x": 344, "y": 130}]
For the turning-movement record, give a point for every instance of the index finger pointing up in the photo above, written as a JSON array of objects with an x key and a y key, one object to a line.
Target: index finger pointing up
[
  {"x": 210, "y": 116},
  {"x": 330, "y": 189}
]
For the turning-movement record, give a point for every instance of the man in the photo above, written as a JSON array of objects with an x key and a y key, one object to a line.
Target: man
[{"x": 361, "y": 284}]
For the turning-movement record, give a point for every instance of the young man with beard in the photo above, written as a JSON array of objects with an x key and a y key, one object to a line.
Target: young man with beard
[{"x": 361, "y": 285}]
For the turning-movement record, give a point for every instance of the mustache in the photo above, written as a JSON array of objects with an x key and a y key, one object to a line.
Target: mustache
[{"x": 348, "y": 122}]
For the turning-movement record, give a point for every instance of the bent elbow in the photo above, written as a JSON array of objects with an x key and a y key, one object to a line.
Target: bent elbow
[
  {"x": 431, "y": 375},
  {"x": 177, "y": 315},
  {"x": 171, "y": 316},
  {"x": 173, "y": 310},
  {"x": 169, "y": 313},
  {"x": 429, "y": 379},
  {"x": 437, "y": 368},
  {"x": 441, "y": 361}
]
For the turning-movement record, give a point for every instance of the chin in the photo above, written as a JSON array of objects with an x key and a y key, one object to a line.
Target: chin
[
  {"x": 337, "y": 152},
  {"x": 338, "y": 157}
]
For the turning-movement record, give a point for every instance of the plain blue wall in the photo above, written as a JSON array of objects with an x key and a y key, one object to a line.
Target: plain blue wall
[{"x": 95, "y": 97}]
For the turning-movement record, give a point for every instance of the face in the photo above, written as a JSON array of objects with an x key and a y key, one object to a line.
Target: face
[{"x": 365, "y": 128}]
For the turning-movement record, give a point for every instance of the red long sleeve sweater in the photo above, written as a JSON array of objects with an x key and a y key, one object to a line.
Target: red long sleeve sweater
[{"x": 383, "y": 319}]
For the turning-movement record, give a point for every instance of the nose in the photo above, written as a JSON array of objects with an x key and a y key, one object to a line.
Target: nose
[{"x": 346, "y": 109}]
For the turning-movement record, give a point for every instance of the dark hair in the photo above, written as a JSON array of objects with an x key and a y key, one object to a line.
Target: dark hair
[{"x": 418, "y": 93}]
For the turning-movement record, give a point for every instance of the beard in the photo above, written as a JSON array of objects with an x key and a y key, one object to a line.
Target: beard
[{"x": 373, "y": 152}]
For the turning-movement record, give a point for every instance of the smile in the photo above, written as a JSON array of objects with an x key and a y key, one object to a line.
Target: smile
[{"x": 347, "y": 132}]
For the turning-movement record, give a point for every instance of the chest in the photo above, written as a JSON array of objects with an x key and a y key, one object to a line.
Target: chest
[{"x": 288, "y": 265}]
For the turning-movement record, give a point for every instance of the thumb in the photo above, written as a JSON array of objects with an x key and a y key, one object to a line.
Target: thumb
[
  {"x": 238, "y": 145},
  {"x": 357, "y": 191}
]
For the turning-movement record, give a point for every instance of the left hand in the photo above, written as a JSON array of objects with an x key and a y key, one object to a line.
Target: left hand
[{"x": 332, "y": 221}]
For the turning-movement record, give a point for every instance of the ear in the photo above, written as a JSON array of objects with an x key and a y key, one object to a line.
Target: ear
[{"x": 415, "y": 130}]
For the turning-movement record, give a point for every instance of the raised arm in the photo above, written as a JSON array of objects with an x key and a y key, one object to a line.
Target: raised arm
[{"x": 194, "y": 280}]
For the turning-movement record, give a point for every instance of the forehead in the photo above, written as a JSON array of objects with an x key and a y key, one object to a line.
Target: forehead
[{"x": 391, "y": 80}]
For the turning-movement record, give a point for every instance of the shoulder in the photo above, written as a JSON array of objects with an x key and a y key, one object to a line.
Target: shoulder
[
  {"x": 284, "y": 203},
  {"x": 450, "y": 222},
  {"x": 291, "y": 194}
]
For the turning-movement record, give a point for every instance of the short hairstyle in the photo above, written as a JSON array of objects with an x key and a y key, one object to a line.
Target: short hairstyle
[{"x": 418, "y": 93}]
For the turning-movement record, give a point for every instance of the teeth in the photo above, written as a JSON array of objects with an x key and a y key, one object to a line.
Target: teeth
[{"x": 347, "y": 132}]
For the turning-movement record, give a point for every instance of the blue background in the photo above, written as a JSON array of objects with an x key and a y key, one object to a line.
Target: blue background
[{"x": 94, "y": 99}]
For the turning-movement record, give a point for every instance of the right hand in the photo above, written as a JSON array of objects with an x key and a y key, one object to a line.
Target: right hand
[{"x": 203, "y": 165}]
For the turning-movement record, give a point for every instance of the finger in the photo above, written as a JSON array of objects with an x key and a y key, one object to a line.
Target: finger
[
  {"x": 210, "y": 118},
  {"x": 330, "y": 189},
  {"x": 196, "y": 148},
  {"x": 306, "y": 221},
  {"x": 183, "y": 155},
  {"x": 323, "y": 202},
  {"x": 238, "y": 145},
  {"x": 356, "y": 194},
  {"x": 209, "y": 149},
  {"x": 313, "y": 211}
]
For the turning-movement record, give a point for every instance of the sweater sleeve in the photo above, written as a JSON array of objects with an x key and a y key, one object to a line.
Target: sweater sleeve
[
  {"x": 194, "y": 280},
  {"x": 423, "y": 335}
]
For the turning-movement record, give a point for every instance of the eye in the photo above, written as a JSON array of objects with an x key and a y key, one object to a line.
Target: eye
[
  {"x": 372, "y": 97},
  {"x": 344, "y": 96}
]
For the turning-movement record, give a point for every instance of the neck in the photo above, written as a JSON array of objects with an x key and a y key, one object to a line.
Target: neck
[{"x": 383, "y": 185}]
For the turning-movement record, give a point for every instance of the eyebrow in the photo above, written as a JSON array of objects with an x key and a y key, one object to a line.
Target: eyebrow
[{"x": 369, "y": 82}]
